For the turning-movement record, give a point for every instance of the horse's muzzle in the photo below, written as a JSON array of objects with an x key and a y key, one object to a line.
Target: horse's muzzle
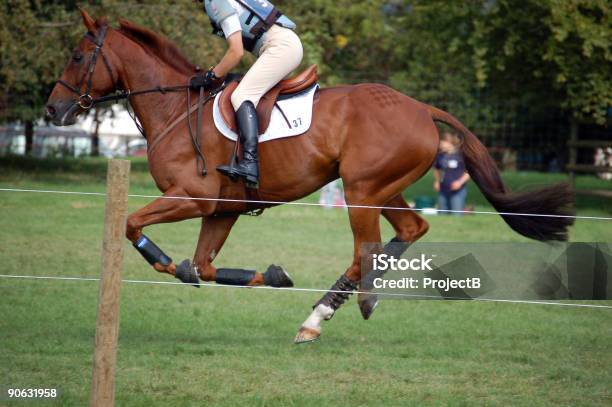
[{"x": 63, "y": 113}]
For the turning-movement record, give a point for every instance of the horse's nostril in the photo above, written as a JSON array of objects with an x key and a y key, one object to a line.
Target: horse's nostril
[{"x": 51, "y": 112}]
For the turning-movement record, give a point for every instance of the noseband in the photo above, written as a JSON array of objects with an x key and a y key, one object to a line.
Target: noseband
[{"x": 85, "y": 100}]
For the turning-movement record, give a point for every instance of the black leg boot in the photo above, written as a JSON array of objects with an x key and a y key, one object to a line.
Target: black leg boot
[{"x": 248, "y": 128}]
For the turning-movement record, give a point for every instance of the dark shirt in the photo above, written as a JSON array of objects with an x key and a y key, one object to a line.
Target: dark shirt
[{"x": 452, "y": 167}]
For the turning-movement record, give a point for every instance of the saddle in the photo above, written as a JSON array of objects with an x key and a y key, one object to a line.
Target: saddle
[{"x": 287, "y": 87}]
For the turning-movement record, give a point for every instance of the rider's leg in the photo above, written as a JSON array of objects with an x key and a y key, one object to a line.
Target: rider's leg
[
  {"x": 248, "y": 128},
  {"x": 281, "y": 53}
]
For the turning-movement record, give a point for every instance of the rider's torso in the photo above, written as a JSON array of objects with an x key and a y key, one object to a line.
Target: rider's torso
[{"x": 250, "y": 13}]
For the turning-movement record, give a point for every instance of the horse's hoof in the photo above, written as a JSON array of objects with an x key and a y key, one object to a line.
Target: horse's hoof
[
  {"x": 367, "y": 304},
  {"x": 276, "y": 276},
  {"x": 187, "y": 273},
  {"x": 306, "y": 335}
]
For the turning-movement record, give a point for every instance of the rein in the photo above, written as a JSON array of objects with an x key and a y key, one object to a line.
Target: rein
[
  {"x": 86, "y": 102},
  {"x": 187, "y": 115}
]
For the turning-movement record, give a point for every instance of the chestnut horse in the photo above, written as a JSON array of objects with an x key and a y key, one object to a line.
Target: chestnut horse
[{"x": 376, "y": 139}]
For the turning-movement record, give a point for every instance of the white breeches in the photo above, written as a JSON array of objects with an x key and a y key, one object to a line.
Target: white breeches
[{"x": 280, "y": 54}]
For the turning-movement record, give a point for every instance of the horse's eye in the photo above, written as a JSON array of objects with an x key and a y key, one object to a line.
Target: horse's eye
[{"x": 77, "y": 57}]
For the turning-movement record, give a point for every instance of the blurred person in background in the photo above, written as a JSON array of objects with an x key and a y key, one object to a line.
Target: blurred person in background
[
  {"x": 332, "y": 195},
  {"x": 450, "y": 175},
  {"x": 603, "y": 158}
]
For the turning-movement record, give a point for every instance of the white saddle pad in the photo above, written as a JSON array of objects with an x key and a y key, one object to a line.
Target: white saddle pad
[{"x": 297, "y": 110}]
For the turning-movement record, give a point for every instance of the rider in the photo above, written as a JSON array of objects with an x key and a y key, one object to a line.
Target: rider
[{"x": 258, "y": 27}]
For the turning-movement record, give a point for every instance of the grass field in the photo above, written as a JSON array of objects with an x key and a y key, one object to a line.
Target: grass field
[{"x": 180, "y": 346}]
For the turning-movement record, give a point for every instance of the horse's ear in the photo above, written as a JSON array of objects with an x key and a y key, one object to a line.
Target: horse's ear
[
  {"x": 88, "y": 21},
  {"x": 125, "y": 24}
]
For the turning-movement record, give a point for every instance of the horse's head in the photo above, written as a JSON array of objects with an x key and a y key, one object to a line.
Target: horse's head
[{"x": 88, "y": 75}]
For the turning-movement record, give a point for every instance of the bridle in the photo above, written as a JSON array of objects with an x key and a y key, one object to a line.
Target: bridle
[{"x": 86, "y": 102}]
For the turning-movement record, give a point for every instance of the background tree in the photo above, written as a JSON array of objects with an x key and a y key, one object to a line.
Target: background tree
[
  {"x": 553, "y": 51},
  {"x": 32, "y": 51},
  {"x": 488, "y": 61},
  {"x": 544, "y": 53}
]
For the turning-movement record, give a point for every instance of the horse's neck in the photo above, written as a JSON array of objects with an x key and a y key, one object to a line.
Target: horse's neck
[{"x": 141, "y": 71}]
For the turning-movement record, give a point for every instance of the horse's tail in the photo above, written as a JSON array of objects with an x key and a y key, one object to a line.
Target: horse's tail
[{"x": 556, "y": 200}]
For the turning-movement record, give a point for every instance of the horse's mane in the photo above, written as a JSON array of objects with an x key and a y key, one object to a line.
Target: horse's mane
[{"x": 158, "y": 45}]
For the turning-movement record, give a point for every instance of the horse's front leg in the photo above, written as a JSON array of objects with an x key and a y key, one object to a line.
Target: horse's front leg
[
  {"x": 213, "y": 233},
  {"x": 162, "y": 210}
]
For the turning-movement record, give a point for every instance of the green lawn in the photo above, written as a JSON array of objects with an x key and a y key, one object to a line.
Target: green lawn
[{"x": 216, "y": 346}]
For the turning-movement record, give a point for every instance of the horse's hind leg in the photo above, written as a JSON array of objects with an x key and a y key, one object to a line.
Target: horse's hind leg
[
  {"x": 409, "y": 227},
  {"x": 366, "y": 229}
]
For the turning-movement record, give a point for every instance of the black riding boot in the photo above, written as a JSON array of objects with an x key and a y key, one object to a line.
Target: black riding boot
[{"x": 248, "y": 128}]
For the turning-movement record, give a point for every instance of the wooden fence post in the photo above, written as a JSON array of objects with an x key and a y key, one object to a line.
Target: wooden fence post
[{"x": 107, "y": 325}]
